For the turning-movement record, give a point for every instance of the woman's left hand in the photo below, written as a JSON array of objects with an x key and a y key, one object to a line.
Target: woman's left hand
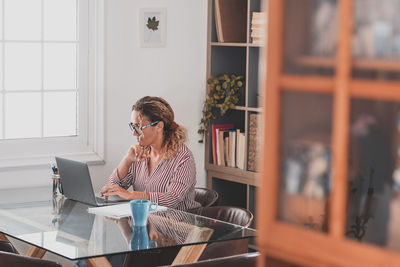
[{"x": 115, "y": 190}]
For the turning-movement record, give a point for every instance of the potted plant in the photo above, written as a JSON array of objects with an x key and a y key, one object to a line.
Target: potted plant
[{"x": 223, "y": 91}]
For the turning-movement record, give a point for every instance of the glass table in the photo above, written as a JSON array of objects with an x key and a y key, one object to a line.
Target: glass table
[{"x": 64, "y": 227}]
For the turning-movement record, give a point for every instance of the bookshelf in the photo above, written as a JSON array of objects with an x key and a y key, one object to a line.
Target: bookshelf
[
  {"x": 332, "y": 84},
  {"x": 236, "y": 187}
]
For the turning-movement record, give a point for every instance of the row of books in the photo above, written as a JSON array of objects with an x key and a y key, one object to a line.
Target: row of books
[{"x": 228, "y": 146}]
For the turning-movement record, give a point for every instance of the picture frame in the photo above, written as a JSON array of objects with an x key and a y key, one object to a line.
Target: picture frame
[{"x": 153, "y": 27}]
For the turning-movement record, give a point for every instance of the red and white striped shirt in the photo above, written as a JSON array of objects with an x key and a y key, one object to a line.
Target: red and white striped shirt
[{"x": 170, "y": 184}]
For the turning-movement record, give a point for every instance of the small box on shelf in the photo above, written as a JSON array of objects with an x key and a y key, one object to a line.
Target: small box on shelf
[
  {"x": 258, "y": 23},
  {"x": 252, "y": 164}
]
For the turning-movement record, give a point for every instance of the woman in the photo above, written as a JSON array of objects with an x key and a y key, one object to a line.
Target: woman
[{"x": 161, "y": 168}]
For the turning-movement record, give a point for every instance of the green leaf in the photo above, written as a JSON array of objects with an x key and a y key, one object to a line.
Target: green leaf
[{"x": 152, "y": 23}]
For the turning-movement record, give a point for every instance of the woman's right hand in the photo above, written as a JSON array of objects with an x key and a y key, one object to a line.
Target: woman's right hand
[{"x": 137, "y": 153}]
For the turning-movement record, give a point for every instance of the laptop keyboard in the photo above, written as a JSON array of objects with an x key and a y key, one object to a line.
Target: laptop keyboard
[{"x": 111, "y": 199}]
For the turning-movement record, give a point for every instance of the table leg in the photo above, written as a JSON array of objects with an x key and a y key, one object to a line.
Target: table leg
[
  {"x": 97, "y": 262},
  {"x": 35, "y": 252},
  {"x": 190, "y": 254}
]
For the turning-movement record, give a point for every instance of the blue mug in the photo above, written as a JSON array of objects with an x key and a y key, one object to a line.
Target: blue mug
[
  {"x": 140, "y": 239},
  {"x": 140, "y": 211}
]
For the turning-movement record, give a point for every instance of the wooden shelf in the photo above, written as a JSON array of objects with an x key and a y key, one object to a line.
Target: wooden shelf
[
  {"x": 363, "y": 64},
  {"x": 229, "y": 44},
  {"x": 234, "y": 174},
  {"x": 235, "y": 108},
  {"x": 255, "y": 247},
  {"x": 237, "y": 44},
  {"x": 242, "y": 59},
  {"x": 245, "y": 108},
  {"x": 259, "y": 110},
  {"x": 256, "y": 45},
  {"x": 299, "y": 209}
]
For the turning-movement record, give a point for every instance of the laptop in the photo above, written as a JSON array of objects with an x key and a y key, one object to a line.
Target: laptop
[{"x": 77, "y": 184}]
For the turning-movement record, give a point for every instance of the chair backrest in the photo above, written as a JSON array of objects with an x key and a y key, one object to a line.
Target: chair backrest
[
  {"x": 235, "y": 215},
  {"x": 247, "y": 259},
  {"x": 11, "y": 259},
  {"x": 6, "y": 246},
  {"x": 206, "y": 197}
]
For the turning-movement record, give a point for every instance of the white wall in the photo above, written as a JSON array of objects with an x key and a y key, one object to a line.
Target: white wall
[{"x": 176, "y": 72}]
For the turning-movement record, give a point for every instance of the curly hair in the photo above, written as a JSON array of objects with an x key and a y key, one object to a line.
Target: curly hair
[{"x": 157, "y": 109}]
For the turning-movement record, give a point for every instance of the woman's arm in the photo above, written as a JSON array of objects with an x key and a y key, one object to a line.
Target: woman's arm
[
  {"x": 135, "y": 153},
  {"x": 122, "y": 176}
]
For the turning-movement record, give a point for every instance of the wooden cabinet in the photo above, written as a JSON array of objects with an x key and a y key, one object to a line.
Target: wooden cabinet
[
  {"x": 236, "y": 187},
  {"x": 328, "y": 191}
]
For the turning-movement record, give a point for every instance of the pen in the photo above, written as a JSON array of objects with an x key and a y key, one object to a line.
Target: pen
[{"x": 54, "y": 168}]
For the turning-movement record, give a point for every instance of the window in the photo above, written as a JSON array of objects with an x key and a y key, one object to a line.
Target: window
[{"x": 47, "y": 107}]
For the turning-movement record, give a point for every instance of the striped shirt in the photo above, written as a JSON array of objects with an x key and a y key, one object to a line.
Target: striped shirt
[{"x": 170, "y": 184}]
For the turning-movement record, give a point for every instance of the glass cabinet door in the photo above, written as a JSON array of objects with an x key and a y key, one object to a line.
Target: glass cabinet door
[
  {"x": 373, "y": 213},
  {"x": 376, "y": 39},
  {"x": 310, "y": 37},
  {"x": 305, "y": 180},
  {"x": 373, "y": 206}
]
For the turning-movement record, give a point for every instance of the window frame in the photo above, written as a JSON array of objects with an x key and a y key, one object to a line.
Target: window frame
[{"x": 88, "y": 144}]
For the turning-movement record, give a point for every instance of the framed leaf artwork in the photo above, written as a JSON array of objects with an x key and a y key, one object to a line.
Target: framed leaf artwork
[{"x": 153, "y": 27}]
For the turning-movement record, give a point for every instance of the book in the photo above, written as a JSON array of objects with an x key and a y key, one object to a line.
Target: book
[
  {"x": 231, "y": 20},
  {"x": 214, "y": 135},
  {"x": 241, "y": 147},
  {"x": 221, "y": 148},
  {"x": 217, "y": 150},
  {"x": 227, "y": 150},
  {"x": 232, "y": 147}
]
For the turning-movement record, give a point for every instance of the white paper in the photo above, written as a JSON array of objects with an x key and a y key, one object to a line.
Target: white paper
[{"x": 117, "y": 211}]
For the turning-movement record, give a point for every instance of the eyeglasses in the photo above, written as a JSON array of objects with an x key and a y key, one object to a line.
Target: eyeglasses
[{"x": 139, "y": 129}]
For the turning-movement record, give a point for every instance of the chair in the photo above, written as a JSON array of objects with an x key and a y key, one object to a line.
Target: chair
[
  {"x": 206, "y": 197},
  {"x": 11, "y": 259},
  {"x": 8, "y": 257},
  {"x": 6, "y": 246},
  {"x": 242, "y": 260},
  {"x": 235, "y": 215}
]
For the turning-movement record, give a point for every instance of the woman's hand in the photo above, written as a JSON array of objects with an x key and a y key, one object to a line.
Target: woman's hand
[
  {"x": 137, "y": 153},
  {"x": 116, "y": 190}
]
